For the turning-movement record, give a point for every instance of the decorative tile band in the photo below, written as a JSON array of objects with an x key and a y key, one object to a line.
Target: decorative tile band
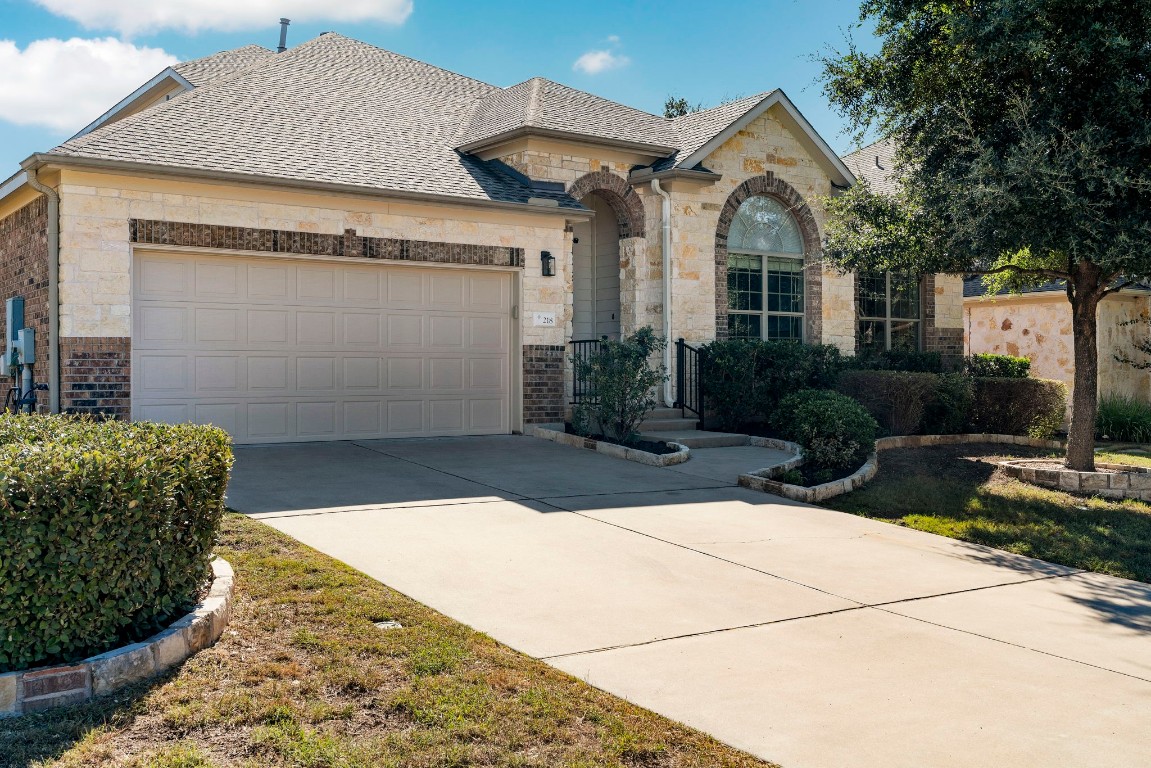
[
  {"x": 152, "y": 232},
  {"x": 34, "y": 690}
]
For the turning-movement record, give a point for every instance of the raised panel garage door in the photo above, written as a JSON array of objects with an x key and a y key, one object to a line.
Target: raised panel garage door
[{"x": 276, "y": 350}]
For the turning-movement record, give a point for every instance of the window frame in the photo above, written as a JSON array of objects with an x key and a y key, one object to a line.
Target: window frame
[
  {"x": 763, "y": 313},
  {"x": 889, "y": 318}
]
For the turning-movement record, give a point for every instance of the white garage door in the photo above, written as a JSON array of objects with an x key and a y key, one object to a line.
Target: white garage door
[{"x": 276, "y": 350}]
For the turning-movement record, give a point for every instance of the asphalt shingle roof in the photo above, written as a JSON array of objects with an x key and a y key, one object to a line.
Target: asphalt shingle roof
[
  {"x": 200, "y": 72},
  {"x": 544, "y": 104},
  {"x": 336, "y": 110},
  {"x": 875, "y": 163},
  {"x": 330, "y": 110},
  {"x": 698, "y": 128}
]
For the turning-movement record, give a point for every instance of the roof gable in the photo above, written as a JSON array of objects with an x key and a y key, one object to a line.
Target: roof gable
[
  {"x": 706, "y": 131},
  {"x": 540, "y": 106}
]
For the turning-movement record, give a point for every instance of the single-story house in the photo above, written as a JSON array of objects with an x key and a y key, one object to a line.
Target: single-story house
[
  {"x": 1036, "y": 324},
  {"x": 341, "y": 242}
]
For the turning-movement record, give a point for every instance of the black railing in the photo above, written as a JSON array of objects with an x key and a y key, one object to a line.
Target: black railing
[
  {"x": 688, "y": 379},
  {"x": 581, "y": 351}
]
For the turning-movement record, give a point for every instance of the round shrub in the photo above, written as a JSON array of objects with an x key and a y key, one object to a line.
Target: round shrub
[
  {"x": 106, "y": 531},
  {"x": 835, "y": 431}
]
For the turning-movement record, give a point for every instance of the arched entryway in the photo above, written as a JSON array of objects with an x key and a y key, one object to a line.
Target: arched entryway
[
  {"x": 596, "y": 273},
  {"x": 607, "y": 253}
]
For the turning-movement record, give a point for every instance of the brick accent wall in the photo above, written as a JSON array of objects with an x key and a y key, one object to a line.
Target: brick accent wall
[
  {"x": 96, "y": 375},
  {"x": 151, "y": 232},
  {"x": 24, "y": 272},
  {"x": 948, "y": 342},
  {"x": 769, "y": 185},
  {"x": 543, "y": 383},
  {"x": 617, "y": 192}
]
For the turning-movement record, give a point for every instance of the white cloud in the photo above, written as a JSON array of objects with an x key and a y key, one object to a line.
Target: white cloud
[
  {"x": 66, "y": 84},
  {"x": 594, "y": 62},
  {"x": 131, "y": 17}
]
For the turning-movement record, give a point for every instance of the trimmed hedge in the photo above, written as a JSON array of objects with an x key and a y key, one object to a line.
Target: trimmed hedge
[
  {"x": 898, "y": 360},
  {"x": 835, "y": 431},
  {"x": 997, "y": 366},
  {"x": 911, "y": 403},
  {"x": 1007, "y": 406},
  {"x": 743, "y": 380},
  {"x": 106, "y": 531}
]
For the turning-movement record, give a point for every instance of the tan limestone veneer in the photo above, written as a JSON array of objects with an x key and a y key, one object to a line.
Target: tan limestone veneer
[{"x": 34, "y": 690}]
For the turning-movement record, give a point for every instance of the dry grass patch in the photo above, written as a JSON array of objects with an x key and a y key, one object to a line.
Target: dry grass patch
[
  {"x": 303, "y": 678},
  {"x": 958, "y": 491}
]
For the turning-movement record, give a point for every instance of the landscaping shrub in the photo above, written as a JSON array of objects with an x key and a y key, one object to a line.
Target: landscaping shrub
[
  {"x": 899, "y": 360},
  {"x": 744, "y": 380},
  {"x": 997, "y": 366},
  {"x": 1007, "y": 406},
  {"x": 106, "y": 531},
  {"x": 1124, "y": 419},
  {"x": 835, "y": 431},
  {"x": 896, "y": 399},
  {"x": 949, "y": 409},
  {"x": 624, "y": 383}
]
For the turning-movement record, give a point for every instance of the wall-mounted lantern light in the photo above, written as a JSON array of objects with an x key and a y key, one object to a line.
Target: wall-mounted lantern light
[{"x": 549, "y": 263}]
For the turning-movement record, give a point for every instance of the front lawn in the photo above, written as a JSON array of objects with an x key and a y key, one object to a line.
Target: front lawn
[
  {"x": 957, "y": 491},
  {"x": 303, "y": 678}
]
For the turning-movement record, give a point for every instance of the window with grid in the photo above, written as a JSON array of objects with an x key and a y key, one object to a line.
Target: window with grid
[
  {"x": 888, "y": 309},
  {"x": 764, "y": 272}
]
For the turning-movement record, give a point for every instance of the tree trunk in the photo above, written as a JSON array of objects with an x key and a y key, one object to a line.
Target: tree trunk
[{"x": 1085, "y": 398}]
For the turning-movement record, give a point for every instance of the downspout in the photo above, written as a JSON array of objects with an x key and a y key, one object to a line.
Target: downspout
[
  {"x": 53, "y": 288},
  {"x": 668, "y": 397}
]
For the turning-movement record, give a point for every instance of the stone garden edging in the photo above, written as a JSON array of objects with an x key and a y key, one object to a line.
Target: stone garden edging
[
  {"x": 34, "y": 690},
  {"x": 762, "y": 480},
  {"x": 682, "y": 452},
  {"x": 1123, "y": 482}
]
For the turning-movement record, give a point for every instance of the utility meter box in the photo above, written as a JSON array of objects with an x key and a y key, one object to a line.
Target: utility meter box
[{"x": 26, "y": 345}]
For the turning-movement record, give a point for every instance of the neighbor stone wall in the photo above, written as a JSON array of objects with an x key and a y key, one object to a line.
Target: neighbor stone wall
[
  {"x": 24, "y": 272},
  {"x": 1038, "y": 327}
]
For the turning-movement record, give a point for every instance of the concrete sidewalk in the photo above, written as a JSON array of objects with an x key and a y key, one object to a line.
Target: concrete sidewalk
[{"x": 805, "y": 636}]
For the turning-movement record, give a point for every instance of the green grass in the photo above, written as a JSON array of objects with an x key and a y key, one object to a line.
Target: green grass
[
  {"x": 303, "y": 679},
  {"x": 957, "y": 492}
]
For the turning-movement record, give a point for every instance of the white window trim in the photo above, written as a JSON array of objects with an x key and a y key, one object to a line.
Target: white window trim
[{"x": 764, "y": 313}]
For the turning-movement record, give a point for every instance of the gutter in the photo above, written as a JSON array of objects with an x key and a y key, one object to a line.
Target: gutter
[
  {"x": 41, "y": 160},
  {"x": 643, "y": 175},
  {"x": 668, "y": 397},
  {"x": 53, "y": 287},
  {"x": 639, "y": 147}
]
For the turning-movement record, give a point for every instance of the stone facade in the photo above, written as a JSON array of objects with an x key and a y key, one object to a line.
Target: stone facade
[
  {"x": 24, "y": 272},
  {"x": 1038, "y": 326},
  {"x": 943, "y": 317}
]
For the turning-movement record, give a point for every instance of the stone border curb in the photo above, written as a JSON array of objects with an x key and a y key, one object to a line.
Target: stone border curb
[
  {"x": 682, "y": 452},
  {"x": 1126, "y": 482},
  {"x": 763, "y": 479},
  {"x": 34, "y": 690}
]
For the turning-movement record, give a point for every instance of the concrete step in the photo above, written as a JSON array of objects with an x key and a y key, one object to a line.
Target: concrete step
[
  {"x": 696, "y": 438},
  {"x": 668, "y": 425},
  {"x": 670, "y": 413}
]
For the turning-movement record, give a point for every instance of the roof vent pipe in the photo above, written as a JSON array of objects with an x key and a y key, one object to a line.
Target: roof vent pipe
[{"x": 283, "y": 35}]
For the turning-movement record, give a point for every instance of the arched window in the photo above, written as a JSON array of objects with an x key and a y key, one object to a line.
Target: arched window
[{"x": 764, "y": 272}]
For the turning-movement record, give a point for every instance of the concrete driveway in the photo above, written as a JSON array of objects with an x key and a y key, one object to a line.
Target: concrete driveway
[{"x": 805, "y": 636}]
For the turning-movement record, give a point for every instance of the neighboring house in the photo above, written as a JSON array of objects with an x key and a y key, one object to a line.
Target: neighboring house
[
  {"x": 1036, "y": 324},
  {"x": 341, "y": 242},
  {"x": 899, "y": 310}
]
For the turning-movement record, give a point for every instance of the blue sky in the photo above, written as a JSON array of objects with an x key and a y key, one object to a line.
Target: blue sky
[{"x": 63, "y": 62}]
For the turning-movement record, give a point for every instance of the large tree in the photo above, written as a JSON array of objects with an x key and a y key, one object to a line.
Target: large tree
[{"x": 1023, "y": 130}]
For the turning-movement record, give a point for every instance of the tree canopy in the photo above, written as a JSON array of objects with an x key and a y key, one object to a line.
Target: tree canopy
[{"x": 1023, "y": 135}]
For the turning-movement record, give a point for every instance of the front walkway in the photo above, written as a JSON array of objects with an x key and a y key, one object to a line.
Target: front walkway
[{"x": 806, "y": 636}]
